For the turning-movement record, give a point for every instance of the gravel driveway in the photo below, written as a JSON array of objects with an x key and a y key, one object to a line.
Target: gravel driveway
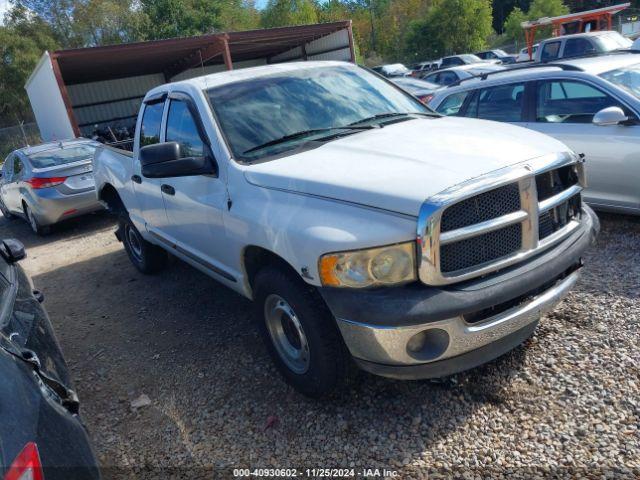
[{"x": 567, "y": 403}]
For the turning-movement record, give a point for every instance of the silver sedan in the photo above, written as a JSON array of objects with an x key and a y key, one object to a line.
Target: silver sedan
[
  {"x": 49, "y": 183},
  {"x": 591, "y": 104}
]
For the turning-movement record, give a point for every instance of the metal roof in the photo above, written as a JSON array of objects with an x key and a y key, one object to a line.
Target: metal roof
[
  {"x": 174, "y": 55},
  {"x": 588, "y": 14}
]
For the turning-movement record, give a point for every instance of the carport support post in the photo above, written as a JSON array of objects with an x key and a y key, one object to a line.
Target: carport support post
[
  {"x": 352, "y": 50},
  {"x": 226, "y": 54}
]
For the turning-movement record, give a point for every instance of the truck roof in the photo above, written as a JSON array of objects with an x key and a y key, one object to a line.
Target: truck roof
[{"x": 222, "y": 78}]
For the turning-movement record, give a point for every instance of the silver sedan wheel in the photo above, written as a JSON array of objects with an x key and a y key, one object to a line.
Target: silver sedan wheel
[
  {"x": 32, "y": 220},
  {"x": 287, "y": 334}
]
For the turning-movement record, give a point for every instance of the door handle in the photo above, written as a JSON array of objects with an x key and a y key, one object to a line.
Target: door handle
[
  {"x": 168, "y": 189},
  {"x": 136, "y": 178}
]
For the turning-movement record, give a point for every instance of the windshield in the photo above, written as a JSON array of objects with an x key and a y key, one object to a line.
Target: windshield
[
  {"x": 612, "y": 41},
  {"x": 254, "y": 112},
  {"x": 62, "y": 156},
  {"x": 626, "y": 77}
]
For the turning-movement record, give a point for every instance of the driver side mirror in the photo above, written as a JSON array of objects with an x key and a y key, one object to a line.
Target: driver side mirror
[
  {"x": 163, "y": 160},
  {"x": 609, "y": 116}
]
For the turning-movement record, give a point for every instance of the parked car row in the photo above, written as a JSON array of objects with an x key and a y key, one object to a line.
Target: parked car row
[{"x": 590, "y": 104}]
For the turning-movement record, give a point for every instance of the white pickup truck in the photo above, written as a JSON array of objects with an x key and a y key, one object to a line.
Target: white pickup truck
[{"x": 363, "y": 225}]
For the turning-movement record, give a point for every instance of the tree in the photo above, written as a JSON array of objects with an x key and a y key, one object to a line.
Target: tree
[
  {"x": 450, "y": 26},
  {"x": 105, "y": 22},
  {"x": 280, "y": 13},
  {"x": 513, "y": 25},
  {"x": 23, "y": 38},
  {"x": 179, "y": 18},
  {"x": 236, "y": 15}
]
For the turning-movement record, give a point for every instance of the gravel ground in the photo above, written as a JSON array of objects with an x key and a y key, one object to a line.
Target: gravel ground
[{"x": 565, "y": 404}]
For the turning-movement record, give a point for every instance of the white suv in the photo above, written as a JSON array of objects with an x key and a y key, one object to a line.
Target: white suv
[{"x": 590, "y": 104}]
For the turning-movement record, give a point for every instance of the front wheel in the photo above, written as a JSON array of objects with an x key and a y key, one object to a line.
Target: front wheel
[
  {"x": 300, "y": 333},
  {"x": 145, "y": 256}
]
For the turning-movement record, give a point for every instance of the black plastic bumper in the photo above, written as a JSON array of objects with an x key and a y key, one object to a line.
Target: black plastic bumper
[{"x": 417, "y": 304}]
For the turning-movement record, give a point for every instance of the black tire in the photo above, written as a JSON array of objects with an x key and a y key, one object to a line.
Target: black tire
[
  {"x": 5, "y": 212},
  {"x": 328, "y": 362},
  {"x": 33, "y": 222},
  {"x": 145, "y": 256}
]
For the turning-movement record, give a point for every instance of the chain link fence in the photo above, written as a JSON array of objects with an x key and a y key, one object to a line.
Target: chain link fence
[{"x": 18, "y": 136}]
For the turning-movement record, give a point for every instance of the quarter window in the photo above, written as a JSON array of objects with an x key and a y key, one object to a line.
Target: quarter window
[
  {"x": 151, "y": 121},
  {"x": 17, "y": 167},
  {"x": 182, "y": 128},
  {"x": 570, "y": 102}
]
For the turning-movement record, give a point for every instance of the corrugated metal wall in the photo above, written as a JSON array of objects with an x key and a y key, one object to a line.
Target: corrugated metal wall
[
  {"x": 198, "y": 71},
  {"x": 112, "y": 102},
  {"x": 116, "y": 102},
  {"x": 332, "y": 47}
]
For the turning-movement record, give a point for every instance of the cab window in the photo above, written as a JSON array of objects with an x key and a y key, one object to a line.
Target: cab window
[
  {"x": 570, "y": 102},
  {"x": 182, "y": 128},
  {"x": 151, "y": 121},
  {"x": 550, "y": 51},
  {"x": 577, "y": 46}
]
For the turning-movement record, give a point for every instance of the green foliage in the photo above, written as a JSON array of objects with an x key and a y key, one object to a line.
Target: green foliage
[
  {"x": 279, "y": 13},
  {"x": 513, "y": 25},
  {"x": 450, "y": 26},
  {"x": 23, "y": 38},
  {"x": 179, "y": 18}
]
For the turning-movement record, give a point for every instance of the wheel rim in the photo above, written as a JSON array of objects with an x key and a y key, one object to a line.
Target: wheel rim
[
  {"x": 287, "y": 334},
  {"x": 135, "y": 242},
  {"x": 32, "y": 220}
]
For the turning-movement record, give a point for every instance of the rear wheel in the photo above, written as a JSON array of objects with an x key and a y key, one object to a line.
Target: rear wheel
[
  {"x": 5, "y": 211},
  {"x": 33, "y": 222},
  {"x": 145, "y": 256},
  {"x": 300, "y": 333}
]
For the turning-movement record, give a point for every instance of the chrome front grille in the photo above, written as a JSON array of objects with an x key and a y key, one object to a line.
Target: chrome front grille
[
  {"x": 496, "y": 221},
  {"x": 482, "y": 207}
]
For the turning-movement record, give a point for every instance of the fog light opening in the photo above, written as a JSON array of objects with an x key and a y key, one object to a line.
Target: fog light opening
[{"x": 428, "y": 344}]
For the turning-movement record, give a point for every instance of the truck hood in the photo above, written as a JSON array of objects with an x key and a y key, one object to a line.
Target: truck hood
[{"x": 398, "y": 167}]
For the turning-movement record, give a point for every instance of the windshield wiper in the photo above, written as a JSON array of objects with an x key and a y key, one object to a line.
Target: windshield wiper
[
  {"x": 379, "y": 116},
  {"x": 304, "y": 133}
]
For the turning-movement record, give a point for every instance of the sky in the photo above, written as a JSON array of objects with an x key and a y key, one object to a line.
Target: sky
[{"x": 4, "y": 6}]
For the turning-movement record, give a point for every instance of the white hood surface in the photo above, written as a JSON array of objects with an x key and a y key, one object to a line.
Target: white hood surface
[{"x": 399, "y": 166}]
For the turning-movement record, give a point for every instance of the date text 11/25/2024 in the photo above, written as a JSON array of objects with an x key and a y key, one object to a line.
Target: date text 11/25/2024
[{"x": 314, "y": 473}]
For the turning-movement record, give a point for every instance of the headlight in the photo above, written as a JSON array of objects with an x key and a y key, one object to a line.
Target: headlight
[{"x": 365, "y": 268}]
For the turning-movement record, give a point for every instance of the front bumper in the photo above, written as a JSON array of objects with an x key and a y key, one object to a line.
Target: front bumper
[
  {"x": 50, "y": 206},
  {"x": 417, "y": 331}
]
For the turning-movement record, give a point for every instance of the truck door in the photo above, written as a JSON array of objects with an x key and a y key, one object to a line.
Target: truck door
[
  {"x": 194, "y": 204},
  {"x": 147, "y": 190}
]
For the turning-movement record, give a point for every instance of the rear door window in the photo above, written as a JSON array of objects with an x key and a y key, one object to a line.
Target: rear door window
[
  {"x": 502, "y": 103},
  {"x": 182, "y": 128},
  {"x": 151, "y": 121},
  {"x": 561, "y": 101},
  {"x": 452, "y": 104}
]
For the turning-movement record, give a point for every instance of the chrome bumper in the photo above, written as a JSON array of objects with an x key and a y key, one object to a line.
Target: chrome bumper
[{"x": 389, "y": 345}]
